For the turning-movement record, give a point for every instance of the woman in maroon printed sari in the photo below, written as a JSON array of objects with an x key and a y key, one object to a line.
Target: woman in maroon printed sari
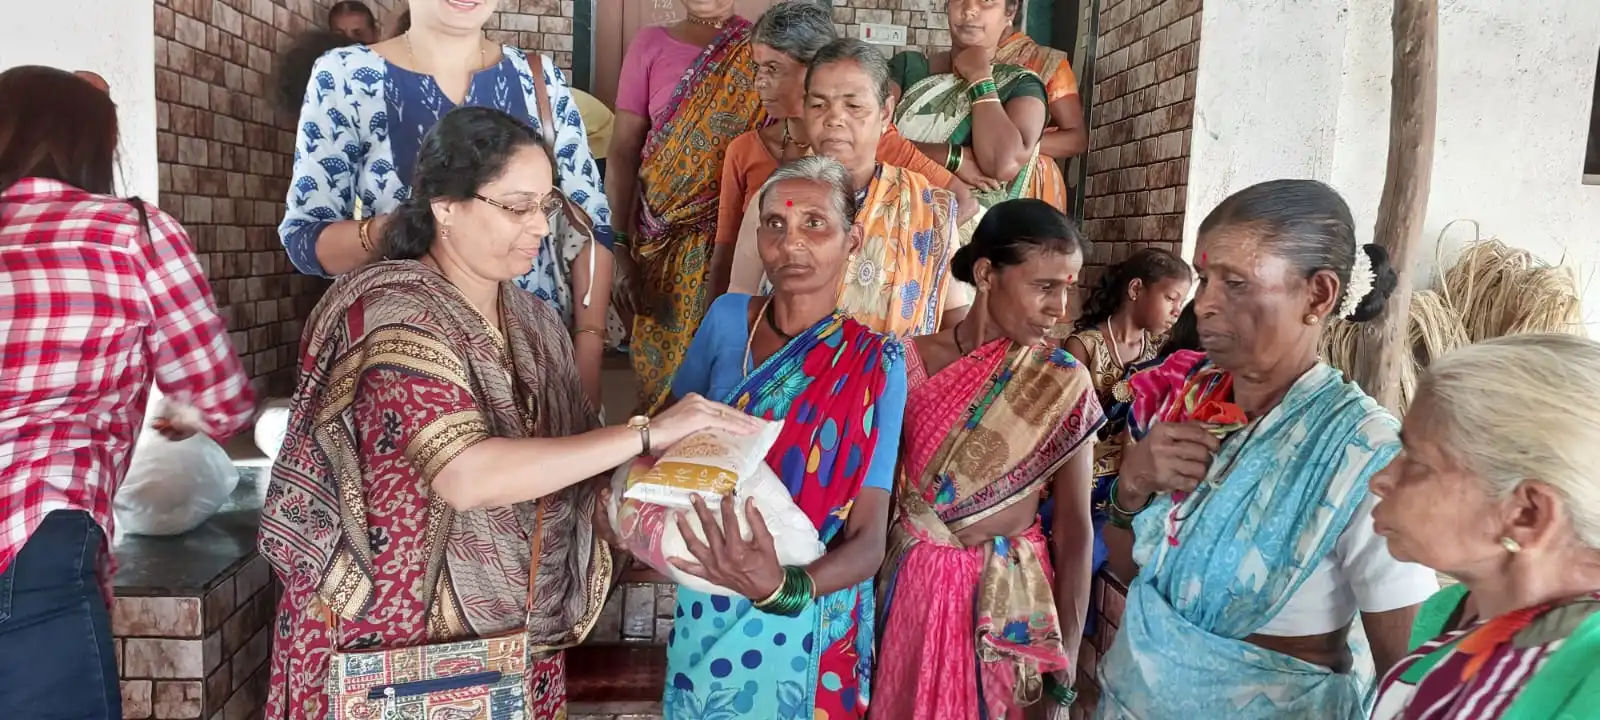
[
  {"x": 402, "y": 511},
  {"x": 685, "y": 93}
]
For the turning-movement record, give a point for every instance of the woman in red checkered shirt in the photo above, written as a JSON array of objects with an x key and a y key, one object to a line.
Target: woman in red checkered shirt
[{"x": 98, "y": 294}]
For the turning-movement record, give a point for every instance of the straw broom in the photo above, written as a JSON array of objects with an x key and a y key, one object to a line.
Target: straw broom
[{"x": 1492, "y": 290}]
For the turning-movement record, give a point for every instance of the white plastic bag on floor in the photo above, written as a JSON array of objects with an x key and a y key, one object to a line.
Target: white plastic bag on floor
[
  {"x": 271, "y": 425},
  {"x": 652, "y": 535},
  {"x": 172, "y": 487}
]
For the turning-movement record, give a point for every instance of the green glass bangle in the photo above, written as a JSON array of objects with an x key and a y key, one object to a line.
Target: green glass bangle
[
  {"x": 1117, "y": 509},
  {"x": 952, "y": 158},
  {"x": 796, "y": 592},
  {"x": 981, "y": 88},
  {"x": 1063, "y": 696}
]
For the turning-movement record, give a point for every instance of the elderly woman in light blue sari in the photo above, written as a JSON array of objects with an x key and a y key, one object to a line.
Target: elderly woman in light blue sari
[{"x": 1262, "y": 591}]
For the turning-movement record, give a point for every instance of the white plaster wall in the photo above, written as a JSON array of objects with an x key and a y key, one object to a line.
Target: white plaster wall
[
  {"x": 1515, "y": 83},
  {"x": 1266, "y": 97},
  {"x": 115, "y": 38}
]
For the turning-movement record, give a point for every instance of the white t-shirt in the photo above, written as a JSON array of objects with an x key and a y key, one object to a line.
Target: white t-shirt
[{"x": 1358, "y": 575}]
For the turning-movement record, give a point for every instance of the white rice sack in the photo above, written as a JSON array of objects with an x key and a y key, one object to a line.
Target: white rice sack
[
  {"x": 651, "y": 531},
  {"x": 710, "y": 463},
  {"x": 172, "y": 487}
]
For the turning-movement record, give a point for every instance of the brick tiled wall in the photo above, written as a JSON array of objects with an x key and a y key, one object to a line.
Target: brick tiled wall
[
  {"x": 224, "y": 156},
  {"x": 540, "y": 27},
  {"x": 197, "y": 657},
  {"x": 1139, "y": 139},
  {"x": 927, "y": 26}
]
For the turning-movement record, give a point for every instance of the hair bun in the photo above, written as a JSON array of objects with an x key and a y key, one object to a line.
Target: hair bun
[
  {"x": 961, "y": 264},
  {"x": 1384, "y": 281}
]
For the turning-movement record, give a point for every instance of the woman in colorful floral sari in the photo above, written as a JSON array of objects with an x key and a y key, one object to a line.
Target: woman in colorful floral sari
[
  {"x": 685, "y": 93},
  {"x": 840, "y": 389},
  {"x": 1246, "y": 490},
  {"x": 786, "y": 38},
  {"x": 1496, "y": 486},
  {"x": 974, "y": 619},
  {"x": 401, "y": 511},
  {"x": 981, "y": 118},
  {"x": 899, "y": 281}
]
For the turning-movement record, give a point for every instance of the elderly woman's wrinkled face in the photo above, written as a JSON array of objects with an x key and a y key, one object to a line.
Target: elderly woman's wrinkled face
[
  {"x": 1252, "y": 305},
  {"x": 804, "y": 243},
  {"x": 979, "y": 23},
  {"x": 780, "y": 81},
  {"x": 497, "y": 235},
  {"x": 454, "y": 15},
  {"x": 843, "y": 114},
  {"x": 1431, "y": 510},
  {"x": 1028, "y": 299}
]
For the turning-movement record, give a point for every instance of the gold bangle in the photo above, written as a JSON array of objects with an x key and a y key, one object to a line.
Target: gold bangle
[
  {"x": 362, "y": 234},
  {"x": 590, "y": 331},
  {"x": 775, "y": 593},
  {"x": 985, "y": 99}
]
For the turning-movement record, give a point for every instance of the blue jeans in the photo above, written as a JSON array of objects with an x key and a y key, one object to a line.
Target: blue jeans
[{"x": 55, "y": 632}]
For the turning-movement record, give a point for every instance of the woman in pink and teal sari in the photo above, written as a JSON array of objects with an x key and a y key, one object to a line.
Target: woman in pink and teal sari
[
  {"x": 804, "y": 648},
  {"x": 976, "y": 625}
]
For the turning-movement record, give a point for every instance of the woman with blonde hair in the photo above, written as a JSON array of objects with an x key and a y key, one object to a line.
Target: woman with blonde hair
[{"x": 1496, "y": 487}]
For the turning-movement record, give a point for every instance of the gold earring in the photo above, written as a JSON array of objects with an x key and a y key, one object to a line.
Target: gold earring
[
  {"x": 1511, "y": 545},
  {"x": 1312, "y": 319}
]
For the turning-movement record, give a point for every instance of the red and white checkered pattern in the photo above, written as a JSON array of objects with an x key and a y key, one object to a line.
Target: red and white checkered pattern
[{"x": 90, "y": 308}]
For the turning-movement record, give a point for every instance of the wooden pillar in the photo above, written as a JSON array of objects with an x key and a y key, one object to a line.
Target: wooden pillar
[{"x": 1384, "y": 343}]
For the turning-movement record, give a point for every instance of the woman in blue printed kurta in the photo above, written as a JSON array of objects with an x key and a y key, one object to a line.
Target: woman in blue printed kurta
[{"x": 360, "y": 127}]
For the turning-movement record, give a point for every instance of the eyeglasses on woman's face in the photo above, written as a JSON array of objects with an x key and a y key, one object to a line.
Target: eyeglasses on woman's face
[{"x": 550, "y": 206}]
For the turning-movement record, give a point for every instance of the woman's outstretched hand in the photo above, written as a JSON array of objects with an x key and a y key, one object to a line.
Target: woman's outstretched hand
[
  {"x": 748, "y": 567},
  {"x": 693, "y": 414},
  {"x": 1174, "y": 456}
]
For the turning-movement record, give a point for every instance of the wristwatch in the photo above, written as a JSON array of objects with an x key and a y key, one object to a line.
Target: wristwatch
[{"x": 641, "y": 423}]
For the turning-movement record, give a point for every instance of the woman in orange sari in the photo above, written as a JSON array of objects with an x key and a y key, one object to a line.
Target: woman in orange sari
[
  {"x": 975, "y": 622},
  {"x": 899, "y": 281},
  {"x": 665, "y": 169}
]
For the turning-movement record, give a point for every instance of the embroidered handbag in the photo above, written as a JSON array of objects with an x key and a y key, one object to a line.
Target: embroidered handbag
[{"x": 491, "y": 678}]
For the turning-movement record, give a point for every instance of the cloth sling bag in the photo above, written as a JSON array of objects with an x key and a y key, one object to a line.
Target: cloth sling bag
[{"x": 484, "y": 678}]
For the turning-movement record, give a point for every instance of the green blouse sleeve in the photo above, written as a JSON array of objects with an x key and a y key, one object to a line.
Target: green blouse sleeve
[
  {"x": 1025, "y": 85},
  {"x": 908, "y": 68}
]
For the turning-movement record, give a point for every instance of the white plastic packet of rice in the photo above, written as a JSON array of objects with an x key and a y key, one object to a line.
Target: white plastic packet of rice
[
  {"x": 711, "y": 463},
  {"x": 652, "y": 535}
]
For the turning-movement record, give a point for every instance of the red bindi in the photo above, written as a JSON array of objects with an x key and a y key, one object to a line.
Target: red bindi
[
  {"x": 1202, "y": 258},
  {"x": 788, "y": 203}
]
